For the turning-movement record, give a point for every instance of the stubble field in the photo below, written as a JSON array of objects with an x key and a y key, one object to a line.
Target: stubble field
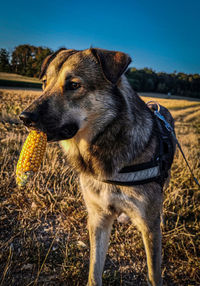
[{"x": 43, "y": 233}]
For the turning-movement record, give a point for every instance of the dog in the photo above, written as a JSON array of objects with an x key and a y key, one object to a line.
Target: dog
[{"x": 111, "y": 137}]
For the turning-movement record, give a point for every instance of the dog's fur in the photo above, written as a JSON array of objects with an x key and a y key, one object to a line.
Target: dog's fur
[{"x": 103, "y": 125}]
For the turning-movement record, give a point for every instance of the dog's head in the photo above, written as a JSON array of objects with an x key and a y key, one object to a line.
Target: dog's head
[{"x": 77, "y": 89}]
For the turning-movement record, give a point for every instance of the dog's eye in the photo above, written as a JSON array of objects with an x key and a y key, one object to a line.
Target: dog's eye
[{"x": 72, "y": 85}]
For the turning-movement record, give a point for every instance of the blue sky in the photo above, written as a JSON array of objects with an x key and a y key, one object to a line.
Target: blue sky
[{"x": 163, "y": 35}]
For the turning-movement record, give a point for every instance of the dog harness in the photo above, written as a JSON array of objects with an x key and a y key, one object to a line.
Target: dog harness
[{"x": 155, "y": 170}]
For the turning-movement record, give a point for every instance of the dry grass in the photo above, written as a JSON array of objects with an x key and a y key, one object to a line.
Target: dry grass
[
  {"x": 174, "y": 104},
  {"x": 43, "y": 234}
]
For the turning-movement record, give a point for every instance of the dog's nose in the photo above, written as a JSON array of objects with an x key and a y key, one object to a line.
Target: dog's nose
[{"x": 28, "y": 118}]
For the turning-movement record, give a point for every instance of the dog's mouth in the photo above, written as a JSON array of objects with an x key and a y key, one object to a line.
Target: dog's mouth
[
  {"x": 65, "y": 132},
  {"x": 50, "y": 126}
]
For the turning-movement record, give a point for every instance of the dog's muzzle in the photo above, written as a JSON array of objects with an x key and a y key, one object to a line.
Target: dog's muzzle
[{"x": 54, "y": 133}]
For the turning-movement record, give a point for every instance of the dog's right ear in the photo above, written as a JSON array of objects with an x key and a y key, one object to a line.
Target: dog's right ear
[
  {"x": 113, "y": 64},
  {"x": 47, "y": 61}
]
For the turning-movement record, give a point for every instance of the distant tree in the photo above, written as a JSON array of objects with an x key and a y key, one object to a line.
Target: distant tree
[
  {"x": 4, "y": 61},
  {"x": 21, "y": 57},
  {"x": 40, "y": 55},
  {"x": 27, "y": 59},
  {"x": 175, "y": 83}
]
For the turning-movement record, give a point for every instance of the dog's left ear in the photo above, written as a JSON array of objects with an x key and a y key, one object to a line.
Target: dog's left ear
[{"x": 113, "y": 63}]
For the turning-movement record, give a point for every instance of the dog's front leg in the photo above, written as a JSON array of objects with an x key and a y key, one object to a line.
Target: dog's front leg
[{"x": 99, "y": 225}]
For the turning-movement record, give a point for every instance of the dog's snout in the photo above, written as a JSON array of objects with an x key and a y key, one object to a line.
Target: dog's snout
[{"x": 28, "y": 118}]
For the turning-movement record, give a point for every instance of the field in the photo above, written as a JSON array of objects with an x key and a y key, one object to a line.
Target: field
[
  {"x": 43, "y": 233},
  {"x": 16, "y": 80},
  {"x": 17, "y": 77}
]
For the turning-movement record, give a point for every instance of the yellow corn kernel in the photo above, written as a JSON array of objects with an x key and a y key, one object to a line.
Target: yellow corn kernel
[{"x": 31, "y": 156}]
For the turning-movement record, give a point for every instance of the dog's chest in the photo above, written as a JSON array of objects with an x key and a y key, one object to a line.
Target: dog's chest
[
  {"x": 100, "y": 195},
  {"x": 107, "y": 198}
]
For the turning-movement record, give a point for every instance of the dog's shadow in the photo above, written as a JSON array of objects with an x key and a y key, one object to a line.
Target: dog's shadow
[{"x": 120, "y": 273}]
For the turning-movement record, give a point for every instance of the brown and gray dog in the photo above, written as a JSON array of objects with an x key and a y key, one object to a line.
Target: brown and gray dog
[{"x": 88, "y": 105}]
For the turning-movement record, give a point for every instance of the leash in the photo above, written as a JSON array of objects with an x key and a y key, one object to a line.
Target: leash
[{"x": 171, "y": 130}]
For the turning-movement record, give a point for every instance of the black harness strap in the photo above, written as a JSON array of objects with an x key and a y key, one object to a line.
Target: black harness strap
[
  {"x": 162, "y": 159},
  {"x": 139, "y": 167},
  {"x": 134, "y": 183}
]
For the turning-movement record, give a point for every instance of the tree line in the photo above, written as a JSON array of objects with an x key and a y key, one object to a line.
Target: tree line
[
  {"x": 27, "y": 59},
  {"x": 147, "y": 80},
  {"x": 24, "y": 60}
]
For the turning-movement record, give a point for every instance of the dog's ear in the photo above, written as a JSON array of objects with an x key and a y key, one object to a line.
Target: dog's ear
[
  {"x": 47, "y": 61},
  {"x": 113, "y": 63}
]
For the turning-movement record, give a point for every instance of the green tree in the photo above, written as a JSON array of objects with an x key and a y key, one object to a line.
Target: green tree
[
  {"x": 4, "y": 61},
  {"x": 40, "y": 55},
  {"x": 21, "y": 59},
  {"x": 27, "y": 59}
]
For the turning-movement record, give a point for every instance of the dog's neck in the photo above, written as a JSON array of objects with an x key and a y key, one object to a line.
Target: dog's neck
[{"x": 120, "y": 143}]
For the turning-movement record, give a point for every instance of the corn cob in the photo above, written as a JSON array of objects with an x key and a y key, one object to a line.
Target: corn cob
[{"x": 31, "y": 156}]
